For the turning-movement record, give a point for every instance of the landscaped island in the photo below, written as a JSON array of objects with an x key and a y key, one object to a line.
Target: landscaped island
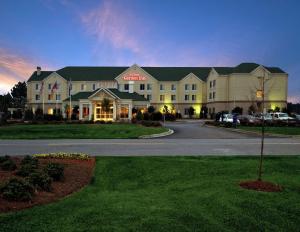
[
  {"x": 172, "y": 194},
  {"x": 274, "y": 130},
  {"x": 77, "y": 131}
]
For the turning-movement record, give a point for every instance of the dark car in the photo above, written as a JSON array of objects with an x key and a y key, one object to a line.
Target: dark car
[{"x": 248, "y": 120}]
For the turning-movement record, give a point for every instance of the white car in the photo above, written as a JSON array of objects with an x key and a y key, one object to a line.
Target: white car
[
  {"x": 281, "y": 116},
  {"x": 228, "y": 118}
]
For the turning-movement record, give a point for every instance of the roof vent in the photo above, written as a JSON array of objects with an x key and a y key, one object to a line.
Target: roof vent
[{"x": 38, "y": 70}]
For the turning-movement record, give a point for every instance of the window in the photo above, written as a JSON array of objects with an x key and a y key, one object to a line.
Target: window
[
  {"x": 94, "y": 86},
  {"x": 186, "y": 111},
  {"x": 142, "y": 86},
  {"x": 173, "y": 97},
  {"x": 36, "y": 86},
  {"x": 210, "y": 84},
  {"x": 214, "y": 95},
  {"x": 194, "y": 86},
  {"x": 161, "y": 97},
  {"x": 194, "y": 97},
  {"x": 209, "y": 95},
  {"x": 82, "y": 86},
  {"x": 149, "y": 87},
  {"x": 173, "y": 87},
  {"x": 124, "y": 111},
  {"x": 149, "y": 97},
  {"x": 49, "y": 86},
  {"x": 126, "y": 87},
  {"x": 161, "y": 87},
  {"x": 186, "y": 97},
  {"x": 57, "y": 97},
  {"x": 37, "y": 97},
  {"x": 186, "y": 86},
  {"x": 214, "y": 83},
  {"x": 50, "y": 97}
]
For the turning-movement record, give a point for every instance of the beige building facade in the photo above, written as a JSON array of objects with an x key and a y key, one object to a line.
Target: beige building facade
[{"x": 178, "y": 88}]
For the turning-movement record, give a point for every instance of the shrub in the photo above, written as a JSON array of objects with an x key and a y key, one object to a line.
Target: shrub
[
  {"x": 40, "y": 180},
  {"x": 17, "y": 190},
  {"x": 150, "y": 123},
  {"x": 63, "y": 155},
  {"x": 156, "y": 116},
  {"x": 29, "y": 160},
  {"x": 151, "y": 109},
  {"x": 28, "y": 115},
  {"x": 8, "y": 165},
  {"x": 146, "y": 116},
  {"x": 109, "y": 122},
  {"x": 55, "y": 170},
  {"x": 4, "y": 158},
  {"x": 139, "y": 116},
  {"x": 170, "y": 117},
  {"x": 26, "y": 169}
]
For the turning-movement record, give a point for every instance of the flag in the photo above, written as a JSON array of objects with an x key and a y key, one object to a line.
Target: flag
[
  {"x": 55, "y": 87},
  {"x": 42, "y": 87}
]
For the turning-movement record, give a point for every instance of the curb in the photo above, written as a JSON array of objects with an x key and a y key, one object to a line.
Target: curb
[{"x": 169, "y": 132}]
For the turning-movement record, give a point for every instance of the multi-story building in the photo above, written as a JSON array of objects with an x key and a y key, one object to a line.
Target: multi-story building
[{"x": 179, "y": 88}]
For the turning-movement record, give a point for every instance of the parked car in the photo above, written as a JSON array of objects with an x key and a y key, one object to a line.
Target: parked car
[
  {"x": 248, "y": 120},
  {"x": 283, "y": 119},
  {"x": 228, "y": 118},
  {"x": 281, "y": 116}
]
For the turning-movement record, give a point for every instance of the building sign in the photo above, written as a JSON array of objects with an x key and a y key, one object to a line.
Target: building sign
[{"x": 134, "y": 77}]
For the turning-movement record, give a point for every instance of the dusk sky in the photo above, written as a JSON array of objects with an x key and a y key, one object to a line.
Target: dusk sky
[{"x": 57, "y": 33}]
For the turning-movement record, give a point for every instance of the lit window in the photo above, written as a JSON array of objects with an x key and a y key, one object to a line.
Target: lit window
[
  {"x": 161, "y": 97},
  {"x": 186, "y": 97},
  {"x": 186, "y": 86},
  {"x": 173, "y": 87},
  {"x": 142, "y": 86},
  {"x": 124, "y": 112},
  {"x": 194, "y": 86},
  {"x": 173, "y": 97},
  {"x": 193, "y": 97},
  {"x": 50, "y": 97},
  {"x": 161, "y": 87}
]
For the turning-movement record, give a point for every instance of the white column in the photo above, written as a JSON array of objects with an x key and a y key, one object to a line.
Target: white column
[
  {"x": 114, "y": 111},
  {"x": 130, "y": 111},
  {"x": 80, "y": 111},
  {"x": 90, "y": 111}
]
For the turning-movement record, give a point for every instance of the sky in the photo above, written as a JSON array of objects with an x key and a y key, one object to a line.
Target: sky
[{"x": 57, "y": 33}]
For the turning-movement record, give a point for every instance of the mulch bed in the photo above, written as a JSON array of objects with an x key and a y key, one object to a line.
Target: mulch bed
[
  {"x": 77, "y": 174},
  {"x": 263, "y": 186}
]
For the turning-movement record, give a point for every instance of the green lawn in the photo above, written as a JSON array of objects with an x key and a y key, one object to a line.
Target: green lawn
[
  {"x": 274, "y": 130},
  {"x": 77, "y": 131},
  {"x": 172, "y": 194}
]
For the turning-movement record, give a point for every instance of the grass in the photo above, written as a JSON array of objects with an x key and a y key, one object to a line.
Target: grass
[
  {"x": 274, "y": 130},
  {"x": 77, "y": 131},
  {"x": 172, "y": 194}
]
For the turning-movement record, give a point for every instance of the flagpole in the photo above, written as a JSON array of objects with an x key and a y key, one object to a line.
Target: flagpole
[{"x": 70, "y": 99}]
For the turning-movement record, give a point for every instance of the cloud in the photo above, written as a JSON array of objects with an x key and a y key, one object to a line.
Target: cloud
[
  {"x": 13, "y": 68},
  {"x": 294, "y": 99},
  {"x": 112, "y": 23}
]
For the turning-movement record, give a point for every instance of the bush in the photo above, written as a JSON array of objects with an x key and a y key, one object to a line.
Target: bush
[
  {"x": 139, "y": 116},
  {"x": 55, "y": 170},
  {"x": 63, "y": 155},
  {"x": 8, "y": 165},
  {"x": 170, "y": 117},
  {"x": 28, "y": 115},
  {"x": 29, "y": 160},
  {"x": 156, "y": 116},
  {"x": 146, "y": 116},
  {"x": 4, "y": 158},
  {"x": 40, "y": 180},
  {"x": 17, "y": 190},
  {"x": 151, "y": 109},
  {"x": 26, "y": 169}
]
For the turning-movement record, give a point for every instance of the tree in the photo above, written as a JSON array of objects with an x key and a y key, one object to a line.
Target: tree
[
  {"x": 277, "y": 109},
  {"x": 5, "y": 102},
  {"x": 19, "y": 94},
  {"x": 237, "y": 110},
  {"x": 166, "y": 109},
  {"x": 203, "y": 112},
  {"x": 251, "y": 109},
  {"x": 105, "y": 105},
  {"x": 151, "y": 109},
  {"x": 191, "y": 111}
]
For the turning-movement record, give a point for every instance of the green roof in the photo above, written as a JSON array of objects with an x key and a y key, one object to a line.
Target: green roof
[
  {"x": 79, "y": 73},
  {"x": 122, "y": 95},
  {"x": 90, "y": 73},
  {"x": 42, "y": 76},
  {"x": 125, "y": 95}
]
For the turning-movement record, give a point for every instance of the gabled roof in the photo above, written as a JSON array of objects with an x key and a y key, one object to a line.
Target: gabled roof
[
  {"x": 176, "y": 73},
  {"x": 122, "y": 95},
  {"x": 77, "y": 73},
  {"x": 42, "y": 76}
]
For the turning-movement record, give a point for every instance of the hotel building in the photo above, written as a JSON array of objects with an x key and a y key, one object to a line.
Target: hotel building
[{"x": 217, "y": 88}]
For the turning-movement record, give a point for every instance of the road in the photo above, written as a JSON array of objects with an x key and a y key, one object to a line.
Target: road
[{"x": 190, "y": 138}]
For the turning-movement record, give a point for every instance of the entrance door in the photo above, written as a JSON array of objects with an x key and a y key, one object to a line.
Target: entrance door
[{"x": 101, "y": 114}]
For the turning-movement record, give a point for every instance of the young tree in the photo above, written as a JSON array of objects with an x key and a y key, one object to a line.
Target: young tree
[
  {"x": 105, "y": 105},
  {"x": 191, "y": 111}
]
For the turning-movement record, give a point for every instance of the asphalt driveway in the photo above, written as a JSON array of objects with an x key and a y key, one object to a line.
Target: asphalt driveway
[{"x": 195, "y": 129}]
